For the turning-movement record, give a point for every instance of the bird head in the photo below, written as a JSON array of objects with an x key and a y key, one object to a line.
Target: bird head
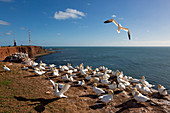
[
  {"x": 110, "y": 92},
  {"x": 159, "y": 86},
  {"x": 135, "y": 89},
  {"x": 143, "y": 77},
  {"x": 95, "y": 84},
  {"x": 136, "y": 93},
  {"x": 4, "y": 65},
  {"x": 87, "y": 75}
]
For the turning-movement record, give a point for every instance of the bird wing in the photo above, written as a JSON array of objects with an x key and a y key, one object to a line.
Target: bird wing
[
  {"x": 64, "y": 89},
  {"x": 127, "y": 30},
  {"x": 52, "y": 82},
  {"x": 111, "y": 20}
]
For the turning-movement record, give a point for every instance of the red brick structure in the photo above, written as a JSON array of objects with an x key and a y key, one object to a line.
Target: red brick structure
[{"x": 30, "y": 50}]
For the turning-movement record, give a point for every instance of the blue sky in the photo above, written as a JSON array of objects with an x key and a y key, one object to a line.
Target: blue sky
[{"x": 81, "y": 22}]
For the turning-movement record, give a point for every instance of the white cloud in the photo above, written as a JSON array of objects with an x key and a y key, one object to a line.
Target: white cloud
[
  {"x": 23, "y": 28},
  {"x": 74, "y": 22},
  {"x": 88, "y": 3},
  {"x": 69, "y": 13},
  {"x": 9, "y": 33},
  {"x": 4, "y": 23},
  {"x": 120, "y": 18},
  {"x": 59, "y": 34},
  {"x": 6, "y": 0},
  {"x": 114, "y": 16}
]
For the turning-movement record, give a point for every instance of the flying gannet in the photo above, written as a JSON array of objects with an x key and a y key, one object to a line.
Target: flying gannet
[{"x": 119, "y": 26}]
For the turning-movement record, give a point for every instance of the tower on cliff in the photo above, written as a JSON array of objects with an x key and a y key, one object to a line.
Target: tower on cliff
[
  {"x": 15, "y": 43},
  {"x": 29, "y": 38}
]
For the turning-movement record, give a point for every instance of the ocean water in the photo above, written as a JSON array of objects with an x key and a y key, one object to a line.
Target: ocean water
[{"x": 152, "y": 62}]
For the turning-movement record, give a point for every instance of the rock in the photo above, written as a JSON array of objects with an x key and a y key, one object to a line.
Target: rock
[{"x": 18, "y": 58}]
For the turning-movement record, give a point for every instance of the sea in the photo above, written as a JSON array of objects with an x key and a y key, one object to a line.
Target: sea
[{"x": 151, "y": 62}]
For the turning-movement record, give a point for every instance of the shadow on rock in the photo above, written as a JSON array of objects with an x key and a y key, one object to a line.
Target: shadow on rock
[
  {"x": 98, "y": 106},
  {"x": 90, "y": 96},
  {"x": 41, "y": 102},
  {"x": 129, "y": 104}
]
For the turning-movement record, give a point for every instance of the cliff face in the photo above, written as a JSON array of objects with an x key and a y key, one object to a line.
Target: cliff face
[{"x": 30, "y": 50}]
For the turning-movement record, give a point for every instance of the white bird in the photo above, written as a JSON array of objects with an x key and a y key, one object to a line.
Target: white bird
[
  {"x": 65, "y": 77},
  {"x": 81, "y": 83},
  {"x": 105, "y": 81},
  {"x": 33, "y": 64},
  {"x": 146, "y": 82},
  {"x": 113, "y": 86},
  {"x": 39, "y": 72},
  {"x": 108, "y": 97},
  {"x": 88, "y": 77},
  {"x": 138, "y": 86},
  {"x": 55, "y": 73},
  {"x": 43, "y": 64},
  {"x": 82, "y": 72},
  {"x": 62, "y": 91},
  {"x": 6, "y": 68},
  {"x": 121, "y": 86},
  {"x": 75, "y": 70},
  {"x": 41, "y": 67},
  {"x": 145, "y": 90},
  {"x": 134, "y": 80},
  {"x": 96, "y": 79},
  {"x": 162, "y": 90},
  {"x": 134, "y": 91},
  {"x": 119, "y": 26},
  {"x": 140, "y": 98},
  {"x": 60, "y": 85},
  {"x": 97, "y": 90},
  {"x": 25, "y": 68}
]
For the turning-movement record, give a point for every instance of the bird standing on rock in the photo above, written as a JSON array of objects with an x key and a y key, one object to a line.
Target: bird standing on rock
[{"x": 6, "y": 68}]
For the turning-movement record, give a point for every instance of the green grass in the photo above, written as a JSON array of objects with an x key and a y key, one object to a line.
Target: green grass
[{"x": 5, "y": 82}]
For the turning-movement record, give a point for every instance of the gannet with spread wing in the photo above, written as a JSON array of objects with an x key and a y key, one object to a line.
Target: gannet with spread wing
[{"x": 119, "y": 26}]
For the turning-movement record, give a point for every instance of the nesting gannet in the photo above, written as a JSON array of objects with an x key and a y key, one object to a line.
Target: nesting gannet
[
  {"x": 82, "y": 72},
  {"x": 121, "y": 86},
  {"x": 70, "y": 71},
  {"x": 105, "y": 81},
  {"x": 140, "y": 98},
  {"x": 75, "y": 70},
  {"x": 65, "y": 77},
  {"x": 39, "y": 72},
  {"x": 108, "y": 97},
  {"x": 113, "y": 86},
  {"x": 145, "y": 90},
  {"x": 134, "y": 80},
  {"x": 55, "y": 73},
  {"x": 25, "y": 68},
  {"x": 69, "y": 66},
  {"x": 146, "y": 83},
  {"x": 97, "y": 90},
  {"x": 43, "y": 64},
  {"x": 62, "y": 91},
  {"x": 33, "y": 64},
  {"x": 119, "y": 26},
  {"x": 138, "y": 86},
  {"x": 6, "y": 68},
  {"x": 41, "y": 67},
  {"x": 162, "y": 90},
  {"x": 96, "y": 79},
  {"x": 81, "y": 83},
  {"x": 88, "y": 77},
  {"x": 134, "y": 91},
  {"x": 72, "y": 75}
]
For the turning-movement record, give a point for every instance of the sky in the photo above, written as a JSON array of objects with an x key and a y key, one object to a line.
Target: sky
[{"x": 81, "y": 22}]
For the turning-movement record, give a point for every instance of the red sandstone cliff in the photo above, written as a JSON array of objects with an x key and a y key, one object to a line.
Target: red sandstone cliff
[{"x": 30, "y": 50}]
